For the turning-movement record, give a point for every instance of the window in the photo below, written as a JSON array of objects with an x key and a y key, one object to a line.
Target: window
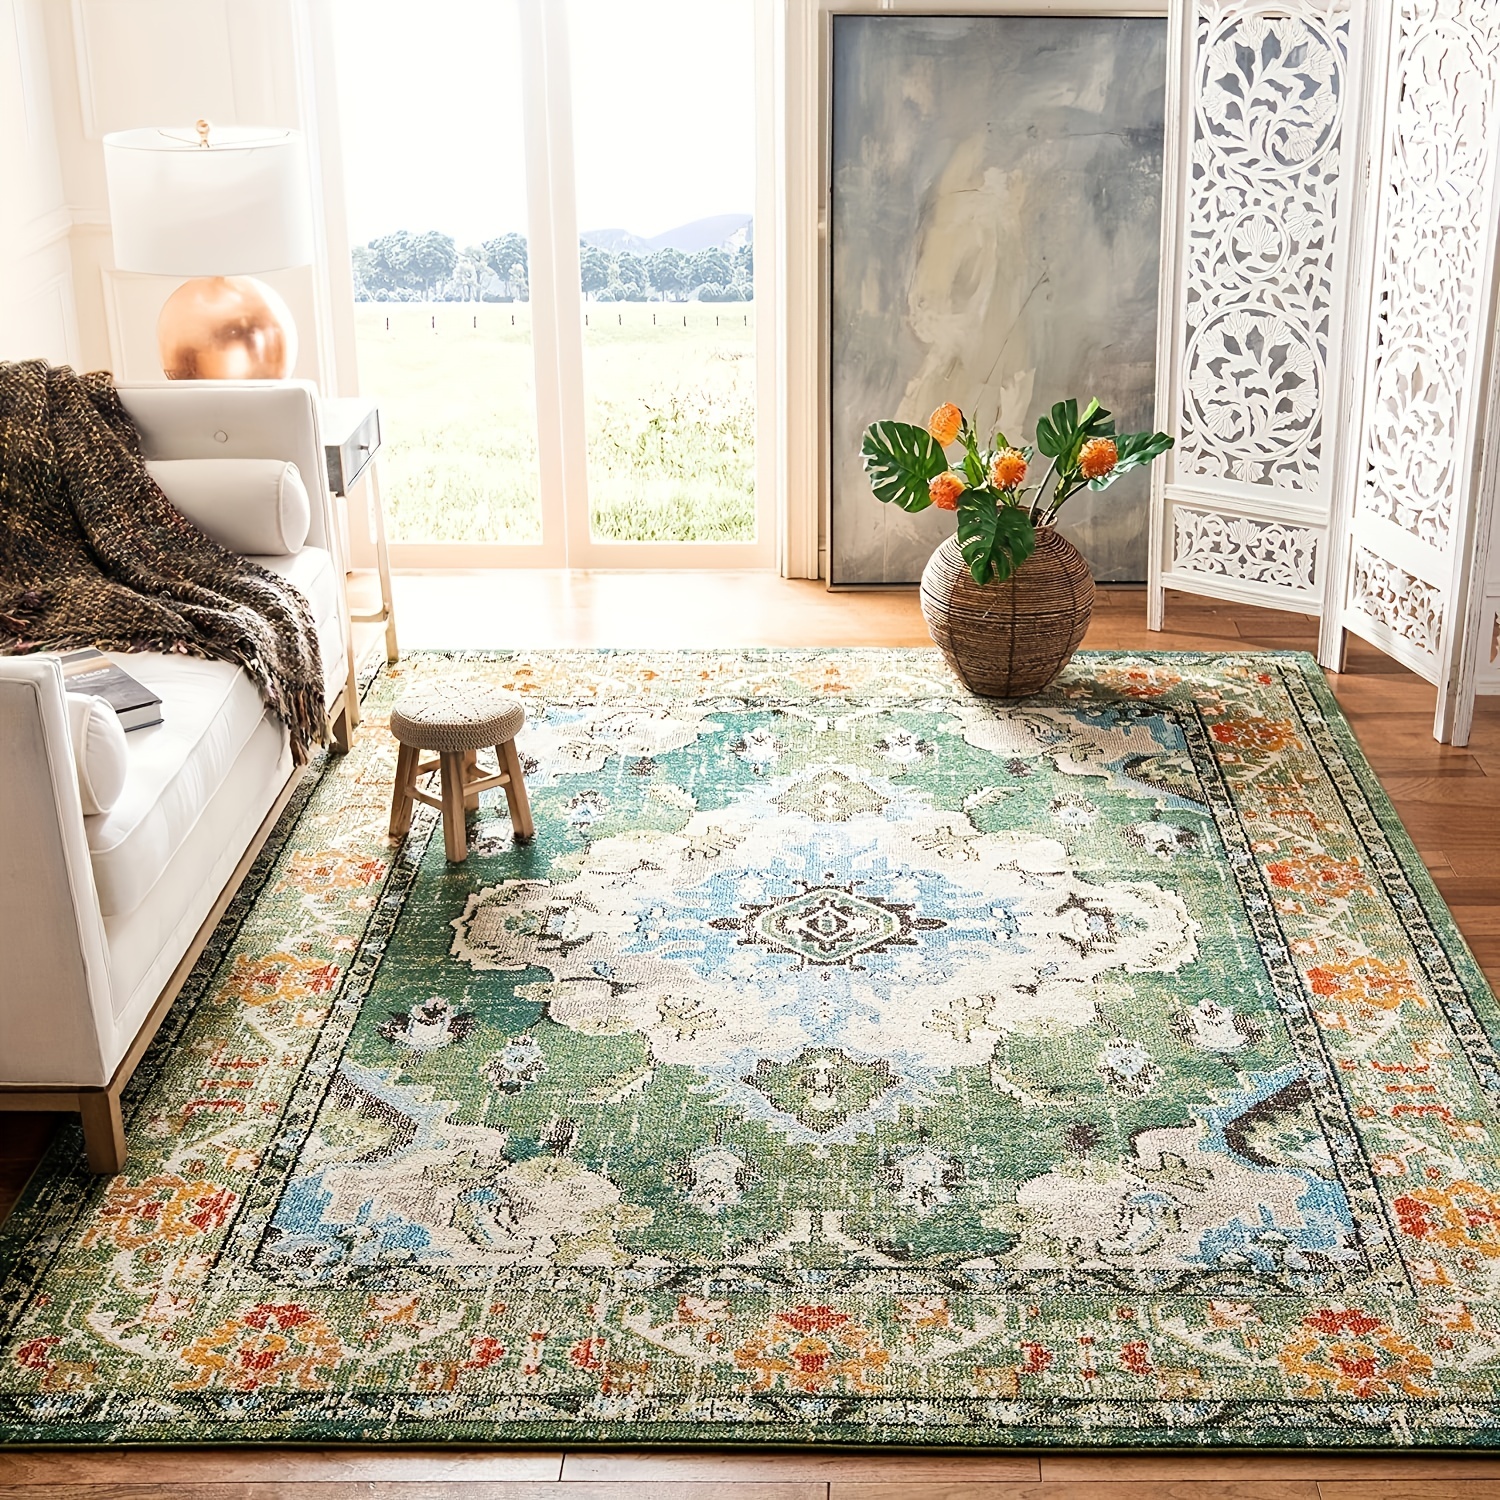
[{"x": 552, "y": 212}]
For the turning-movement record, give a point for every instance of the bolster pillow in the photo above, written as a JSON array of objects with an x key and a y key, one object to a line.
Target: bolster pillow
[
  {"x": 253, "y": 506},
  {"x": 100, "y": 755}
]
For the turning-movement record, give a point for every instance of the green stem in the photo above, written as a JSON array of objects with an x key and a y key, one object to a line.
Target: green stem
[
  {"x": 1063, "y": 494},
  {"x": 1051, "y": 469}
]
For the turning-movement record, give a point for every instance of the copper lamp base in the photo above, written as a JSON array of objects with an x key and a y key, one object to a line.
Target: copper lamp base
[{"x": 226, "y": 328}]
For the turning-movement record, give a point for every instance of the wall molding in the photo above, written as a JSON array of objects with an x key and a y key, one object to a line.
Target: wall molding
[
  {"x": 40, "y": 234},
  {"x": 48, "y": 300}
]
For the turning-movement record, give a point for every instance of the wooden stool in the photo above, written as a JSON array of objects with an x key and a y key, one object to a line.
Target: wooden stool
[{"x": 456, "y": 719}]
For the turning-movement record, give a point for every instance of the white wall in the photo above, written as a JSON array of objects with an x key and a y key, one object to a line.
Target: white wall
[{"x": 37, "y": 311}]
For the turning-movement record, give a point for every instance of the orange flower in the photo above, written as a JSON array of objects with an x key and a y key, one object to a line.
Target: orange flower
[
  {"x": 1269, "y": 735},
  {"x": 330, "y": 870},
  {"x": 809, "y": 1350},
  {"x": 1098, "y": 457},
  {"x": 1008, "y": 469},
  {"x": 277, "y": 977},
  {"x": 946, "y": 489},
  {"x": 923, "y": 1312},
  {"x": 1318, "y": 874},
  {"x": 1366, "y": 984},
  {"x": 944, "y": 423},
  {"x": 1346, "y": 1352}
]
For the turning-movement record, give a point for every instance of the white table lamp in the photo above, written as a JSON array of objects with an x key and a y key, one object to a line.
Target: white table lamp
[{"x": 218, "y": 206}]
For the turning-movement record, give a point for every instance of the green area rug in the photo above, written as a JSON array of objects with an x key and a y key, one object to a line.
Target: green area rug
[{"x": 848, "y": 1059}]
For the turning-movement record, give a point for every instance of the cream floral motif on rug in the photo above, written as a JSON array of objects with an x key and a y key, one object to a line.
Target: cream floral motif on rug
[{"x": 847, "y": 1058}]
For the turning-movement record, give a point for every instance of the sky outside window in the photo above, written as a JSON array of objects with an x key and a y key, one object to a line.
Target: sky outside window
[{"x": 431, "y": 140}]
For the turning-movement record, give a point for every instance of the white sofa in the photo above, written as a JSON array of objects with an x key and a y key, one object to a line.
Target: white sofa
[{"x": 102, "y": 916}]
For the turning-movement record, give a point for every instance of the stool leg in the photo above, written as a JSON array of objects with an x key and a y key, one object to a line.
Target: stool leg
[
  {"x": 454, "y": 834},
  {"x": 471, "y": 773},
  {"x": 515, "y": 791},
  {"x": 406, "y": 763}
]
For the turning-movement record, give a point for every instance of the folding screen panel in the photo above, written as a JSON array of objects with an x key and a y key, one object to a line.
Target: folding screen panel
[
  {"x": 1417, "y": 533},
  {"x": 1260, "y": 207}
]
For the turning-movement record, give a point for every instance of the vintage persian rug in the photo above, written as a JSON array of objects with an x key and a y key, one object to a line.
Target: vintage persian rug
[{"x": 847, "y": 1060}]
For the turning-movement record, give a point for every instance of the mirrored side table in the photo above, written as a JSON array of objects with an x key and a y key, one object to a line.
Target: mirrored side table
[{"x": 351, "y": 439}]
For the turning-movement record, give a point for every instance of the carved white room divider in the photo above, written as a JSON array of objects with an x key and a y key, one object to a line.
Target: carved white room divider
[
  {"x": 1417, "y": 533},
  {"x": 1254, "y": 298},
  {"x": 1326, "y": 345}
]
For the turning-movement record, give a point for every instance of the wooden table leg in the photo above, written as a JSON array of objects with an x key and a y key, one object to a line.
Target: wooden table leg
[
  {"x": 515, "y": 791},
  {"x": 455, "y": 836},
  {"x": 351, "y": 687},
  {"x": 383, "y": 563},
  {"x": 386, "y": 614},
  {"x": 406, "y": 763}
]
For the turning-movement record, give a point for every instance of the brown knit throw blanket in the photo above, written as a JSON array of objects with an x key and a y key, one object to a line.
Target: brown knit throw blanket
[{"x": 92, "y": 553}]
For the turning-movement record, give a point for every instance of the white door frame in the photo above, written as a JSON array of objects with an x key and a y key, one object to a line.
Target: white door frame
[{"x": 583, "y": 551}]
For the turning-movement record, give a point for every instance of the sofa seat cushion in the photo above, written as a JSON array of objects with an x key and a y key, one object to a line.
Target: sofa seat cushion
[
  {"x": 146, "y": 944},
  {"x": 313, "y": 574},
  {"x": 209, "y": 711}
]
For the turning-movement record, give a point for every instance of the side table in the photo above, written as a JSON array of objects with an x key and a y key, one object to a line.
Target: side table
[{"x": 351, "y": 438}]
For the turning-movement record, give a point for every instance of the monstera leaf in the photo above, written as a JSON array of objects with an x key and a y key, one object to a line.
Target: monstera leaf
[
  {"x": 994, "y": 539},
  {"x": 1060, "y": 435},
  {"x": 1134, "y": 450},
  {"x": 901, "y": 460}
]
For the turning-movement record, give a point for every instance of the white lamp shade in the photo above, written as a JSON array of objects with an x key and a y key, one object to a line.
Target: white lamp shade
[{"x": 235, "y": 207}]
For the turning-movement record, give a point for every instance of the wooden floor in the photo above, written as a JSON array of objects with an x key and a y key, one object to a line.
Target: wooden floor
[{"x": 1449, "y": 799}]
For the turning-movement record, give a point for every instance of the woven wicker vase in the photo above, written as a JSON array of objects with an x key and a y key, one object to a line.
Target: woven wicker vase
[{"x": 1005, "y": 640}]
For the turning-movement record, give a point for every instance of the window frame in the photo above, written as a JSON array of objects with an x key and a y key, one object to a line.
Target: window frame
[{"x": 557, "y": 327}]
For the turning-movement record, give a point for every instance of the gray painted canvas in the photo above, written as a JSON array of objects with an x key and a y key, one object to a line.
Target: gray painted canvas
[{"x": 996, "y": 228}]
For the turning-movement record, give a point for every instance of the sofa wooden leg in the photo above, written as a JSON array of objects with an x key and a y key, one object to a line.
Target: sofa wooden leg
[
  {"x": 343, "y": 728},
  {"x": 103, "y": 1131}
]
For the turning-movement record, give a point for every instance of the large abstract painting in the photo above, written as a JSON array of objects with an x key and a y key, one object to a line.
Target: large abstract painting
[{"x": 996, "y": 228}]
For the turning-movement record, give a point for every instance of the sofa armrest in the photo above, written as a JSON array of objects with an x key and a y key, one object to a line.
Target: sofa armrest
[
  {"x": 245, "y": 419},
  {"x": 56, "y": 1014},
  {"x": 240, "y": 419}
]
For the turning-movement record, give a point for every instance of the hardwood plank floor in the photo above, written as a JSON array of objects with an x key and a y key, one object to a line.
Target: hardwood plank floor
[
  {"x": 803, "y": 1465},
  {"x": 1448, "y": 797}
]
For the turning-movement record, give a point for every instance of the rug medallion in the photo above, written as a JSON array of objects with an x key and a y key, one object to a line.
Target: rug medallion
[{"x": 847, "y": 1059}]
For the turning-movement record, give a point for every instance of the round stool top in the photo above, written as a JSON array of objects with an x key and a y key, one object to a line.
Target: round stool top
[{"x": 456, "y": 714}]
